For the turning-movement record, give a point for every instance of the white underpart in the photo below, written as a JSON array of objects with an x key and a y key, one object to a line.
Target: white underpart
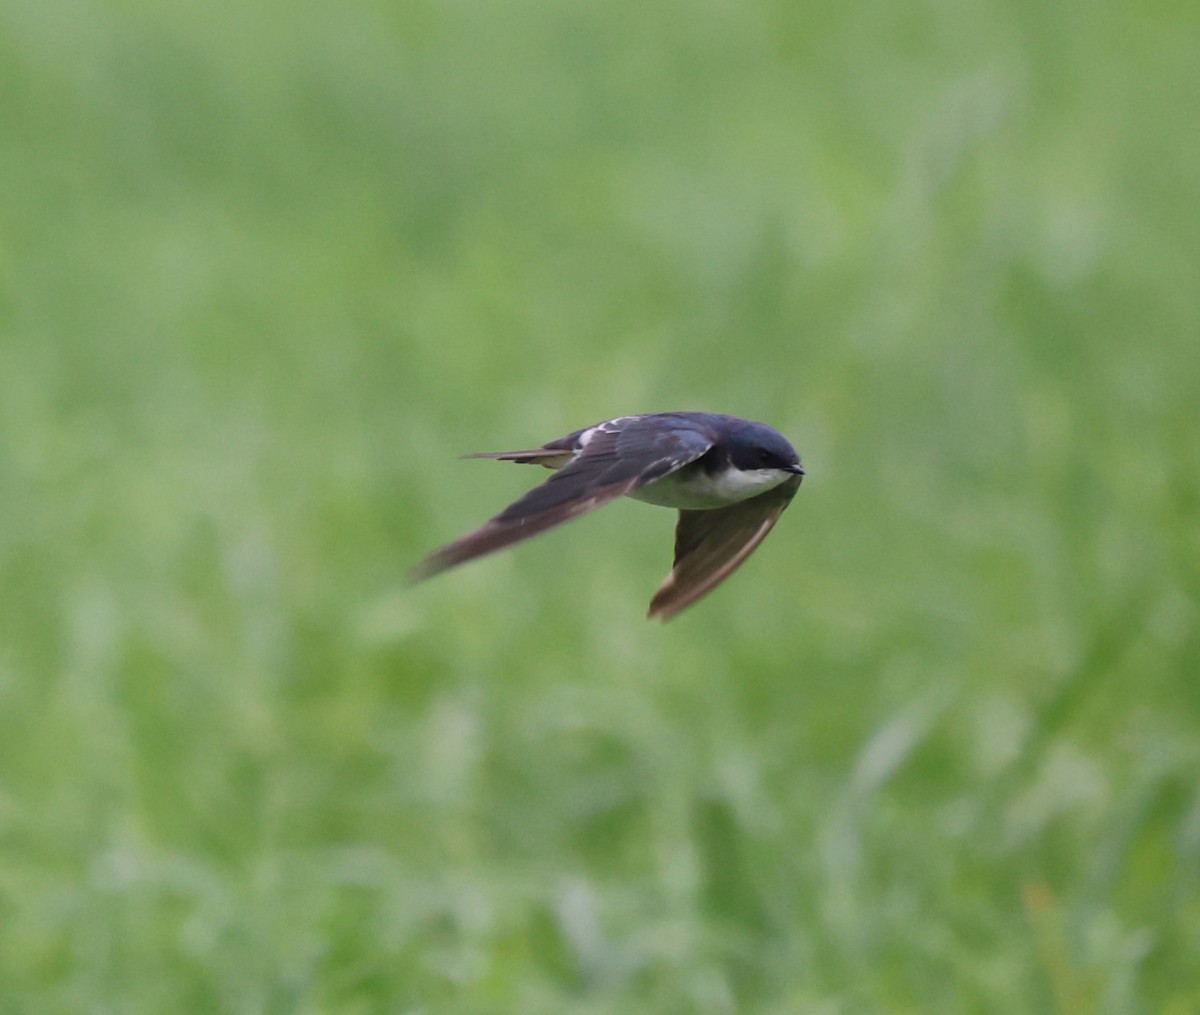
[{"x": 698, "y": 491}]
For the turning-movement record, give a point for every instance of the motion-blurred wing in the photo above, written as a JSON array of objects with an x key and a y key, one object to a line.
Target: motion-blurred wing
[
  {"x": 710, "y": 545},
  {"x": 616, "y": 458}
]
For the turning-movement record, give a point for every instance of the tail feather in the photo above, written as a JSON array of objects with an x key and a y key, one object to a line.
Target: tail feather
[{"x": 550, "y": 458}]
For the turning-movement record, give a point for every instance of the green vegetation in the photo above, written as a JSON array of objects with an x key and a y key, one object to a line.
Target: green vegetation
[{"x": 266, "y": 269}]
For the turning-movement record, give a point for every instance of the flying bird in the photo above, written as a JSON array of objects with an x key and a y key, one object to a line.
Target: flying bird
[{"x": 729, "y": 478}]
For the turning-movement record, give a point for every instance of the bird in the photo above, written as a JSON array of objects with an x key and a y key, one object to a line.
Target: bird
[{"x": 729, "y": 478}]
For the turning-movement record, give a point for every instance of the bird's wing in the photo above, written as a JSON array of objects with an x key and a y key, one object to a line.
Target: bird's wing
[
  {"x": 710, "y": 545},
  {"x": 613, "y": 461}
]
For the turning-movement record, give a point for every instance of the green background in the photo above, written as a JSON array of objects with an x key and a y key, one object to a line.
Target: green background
[{"x": 267, "y": 269}]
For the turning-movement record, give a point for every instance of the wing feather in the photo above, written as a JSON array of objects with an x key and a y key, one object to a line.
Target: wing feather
[
  {"x": 711, "y": 545},
  {"x": 612, "y": 463}
]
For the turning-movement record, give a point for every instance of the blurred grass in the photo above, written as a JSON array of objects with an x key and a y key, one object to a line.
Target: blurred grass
[{"x": 264, "y": 272}]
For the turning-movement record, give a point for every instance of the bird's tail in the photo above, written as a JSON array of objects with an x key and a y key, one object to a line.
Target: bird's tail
[{"x": 550, "y": 458}]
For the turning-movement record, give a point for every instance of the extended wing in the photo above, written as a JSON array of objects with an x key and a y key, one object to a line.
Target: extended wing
[
  {"x": 615, "y": 458},
  {"x": 710, "y": 545}
]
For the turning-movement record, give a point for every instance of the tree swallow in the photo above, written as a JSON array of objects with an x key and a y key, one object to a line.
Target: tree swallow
[{"x": 729, "y": 478}]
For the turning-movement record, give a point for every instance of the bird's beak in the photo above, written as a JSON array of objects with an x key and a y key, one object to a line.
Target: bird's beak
[{"x": 798, "y": 469}]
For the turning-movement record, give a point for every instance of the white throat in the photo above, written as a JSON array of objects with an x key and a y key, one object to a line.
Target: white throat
[{"x": 697, "y": 490}]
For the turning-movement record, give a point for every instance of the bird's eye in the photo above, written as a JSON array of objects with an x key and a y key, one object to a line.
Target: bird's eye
[{"x": 766, "y": 458}]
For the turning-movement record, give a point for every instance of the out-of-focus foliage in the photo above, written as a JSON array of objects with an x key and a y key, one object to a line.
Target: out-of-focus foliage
[{"x": 265, "y": 269}]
